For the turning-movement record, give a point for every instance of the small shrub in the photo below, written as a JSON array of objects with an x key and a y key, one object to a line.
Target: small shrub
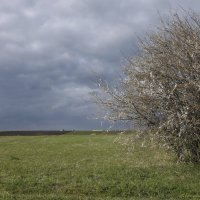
[{"x": 160, "y": 87}]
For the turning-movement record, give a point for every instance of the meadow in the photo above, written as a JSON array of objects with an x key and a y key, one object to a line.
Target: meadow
[{"x": 86, "y": 166}]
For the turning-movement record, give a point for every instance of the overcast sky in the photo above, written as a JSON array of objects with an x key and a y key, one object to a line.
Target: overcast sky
[{"x": 50, "y": 51}]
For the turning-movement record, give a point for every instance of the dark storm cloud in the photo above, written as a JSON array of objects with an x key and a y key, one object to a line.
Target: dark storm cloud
[{"x": 51, "y": 49}]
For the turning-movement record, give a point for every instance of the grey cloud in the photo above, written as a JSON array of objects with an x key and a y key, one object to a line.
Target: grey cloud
[{"x": 51, "y": 49}]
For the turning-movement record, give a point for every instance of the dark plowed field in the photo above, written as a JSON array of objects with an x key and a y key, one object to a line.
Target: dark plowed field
[{"x": 32, "y": 133}]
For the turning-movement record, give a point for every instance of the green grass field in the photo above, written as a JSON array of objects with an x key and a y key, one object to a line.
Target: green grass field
[{"x": 90, "y": 167}]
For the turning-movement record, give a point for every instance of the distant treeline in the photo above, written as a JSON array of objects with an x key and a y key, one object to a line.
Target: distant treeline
[
  {"x": 59, "y": 132},
  {"x": 33, "y": 133}
]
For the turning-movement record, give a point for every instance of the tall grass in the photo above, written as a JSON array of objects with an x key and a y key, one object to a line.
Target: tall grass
[{"x": 89, "y": 166}]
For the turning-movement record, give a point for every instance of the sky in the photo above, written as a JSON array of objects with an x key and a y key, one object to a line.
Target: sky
[{"x": 51, "y": 52}]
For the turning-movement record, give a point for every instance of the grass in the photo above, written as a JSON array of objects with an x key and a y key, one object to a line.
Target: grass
[{"x": 90, "y": 167}]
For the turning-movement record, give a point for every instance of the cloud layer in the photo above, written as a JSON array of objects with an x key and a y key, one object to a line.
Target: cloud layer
[{"x": 51, "y": 49}]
